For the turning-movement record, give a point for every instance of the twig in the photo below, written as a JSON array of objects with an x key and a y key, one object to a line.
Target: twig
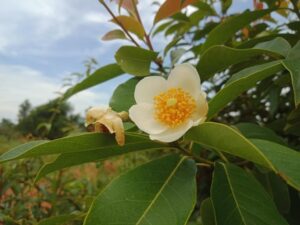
[
  {"x": 222, "y": 156},
  {"x": 197, "y": 158},
  {"x": 296, "y": 10},
  {"x": 147, "y": 37},
  {"x": 204, "y": 165},
  {"x": 119, "y": 23}
]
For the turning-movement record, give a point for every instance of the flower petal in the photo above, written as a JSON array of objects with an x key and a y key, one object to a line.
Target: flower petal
[
  {"x": 199, "y": 116},
  {"x": 143, "y": 116},
  {"x": 186, "y": 77},
  {"x": 147, "y": 88},
  {"x": 172, "y": 134}
]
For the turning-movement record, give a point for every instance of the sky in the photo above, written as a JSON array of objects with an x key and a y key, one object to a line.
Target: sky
[{"x": 44, "y": 41}]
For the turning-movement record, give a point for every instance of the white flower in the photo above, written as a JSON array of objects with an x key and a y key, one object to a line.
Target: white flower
[{"x": 167, "y": 109}]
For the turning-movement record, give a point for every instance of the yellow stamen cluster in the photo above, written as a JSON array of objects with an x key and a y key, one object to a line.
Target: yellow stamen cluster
[{"x": 174, "y": 106}]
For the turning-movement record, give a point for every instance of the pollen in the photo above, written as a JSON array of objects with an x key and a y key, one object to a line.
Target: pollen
[{"x": 174, "y": 107}]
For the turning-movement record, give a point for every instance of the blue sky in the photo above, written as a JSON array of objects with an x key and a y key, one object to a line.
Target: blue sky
[{"x": 43, "y": 41}]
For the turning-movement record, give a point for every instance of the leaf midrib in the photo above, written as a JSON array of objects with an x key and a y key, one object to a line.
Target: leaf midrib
[
  {"x": 233, "y": 195},
  {"x": 257, "y": 150},
  {"x": 160, "y": 190}
]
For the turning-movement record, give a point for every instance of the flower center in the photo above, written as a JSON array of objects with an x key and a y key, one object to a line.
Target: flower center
[{"x": 174, "y": 106}]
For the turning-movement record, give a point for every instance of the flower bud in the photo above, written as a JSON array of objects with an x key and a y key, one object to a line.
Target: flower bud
[{"x": 104, "y": 120}]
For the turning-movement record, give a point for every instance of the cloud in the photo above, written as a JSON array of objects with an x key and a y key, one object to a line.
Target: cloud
[
  {"x": 20, "y": 82},
  {"x": 96, "y": 17},
  {"x": 42, "y": 39},
  {"x": 40, "y": 23}
]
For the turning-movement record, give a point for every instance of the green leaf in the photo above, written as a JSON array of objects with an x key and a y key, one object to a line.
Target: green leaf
[
  {"x": 240, "y": 82},
  {"x": 225, "y": 5},
  {"x": 218, "y": 58},
  {"x": 114, "y": 34},
  {"x": 285, "y": 160},
  {"x": 171, "y": 44},
  {"x": 282, "y": 160},
  {"x": 66, "y": 160},
  {"x": 134, "y": 60},
  {"x": 161, "y": 27},
  {"x": 239, "y": 199},
  {"x": 176, "y": 55},
  {"x": 160, "y": 192},
  {"x": 79, "y": 143},
  {"x": 123, "y": 97},
  {"x": 254, "y": 131},
  {"x": 292, "y": 123},
  {"x": 277, "y": 189},
  {"x": 61, "y": 219},
  {"x": 216, "y": 135},
  {"x": 293, "y": 66},
  {"x": 254, "y": 41},
  {"x": 229, "y": 27},
  {"x": 199, "y": 34},
  {"x": 207, "y": 212},
  {"x": 131, "y": 24},
  {"x": 278, "y": 45},
  {"x": 99, "y": 76},
  {"x": 203, "y": 10}
]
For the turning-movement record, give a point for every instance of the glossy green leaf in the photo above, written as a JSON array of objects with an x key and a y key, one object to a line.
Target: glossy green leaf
[
  {"x": 207, "y": 212},
  {"x": 218, "y": 58},
  {"x": 161, "y": 27},
  {"x": 282, "y": 160},
  {"x": 292, "y": 123},
  {"x": 293, "y": 66},
  {"x": 254, "y": 131},
  {"x": 229, "y": 27},
  {"x": 277, "y": 45},
  {"x": 134, "y": 60},
  {"x": 160, "y": 192},
  {"x": 61, "y": 219},
  {"x": 277, "y": 189},
  {"x": 66, "y": 160},
  {"x": 99, "y": 76},
  {"x": 203, "y": 10},
  {"x": 114, "y": 34},
  {"x": 254, "y": 41},
  {"x": 79, "y": 143},
  {"x": 123, "y": 97},
  {"x": 216, "y": 135},
  {"x": 225, "y": 5},
  {"x": 171, "y": 44},
  {"x": 199, "y": 34},
  {"x": 240, "y": 82},
  {"x": 239, "y": 199},
  {"x": 286, "y": 161},
  {"x": 176, "y": 55}
]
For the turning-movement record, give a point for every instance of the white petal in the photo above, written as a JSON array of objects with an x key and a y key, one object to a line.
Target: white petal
[
  {"x": 172, "y": 134},
  {"x": 149, "y": 87},
  {"x": 199, "y": 116},
  {"x": 186, "y": 77},
  {"x": 143, "y": 116}
]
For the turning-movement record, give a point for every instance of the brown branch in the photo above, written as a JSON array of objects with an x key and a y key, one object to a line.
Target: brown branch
[
  {"x": 147, "y": 37},
  {"x": 296, "y": 10},
  {"x": 119, "y": 23}
]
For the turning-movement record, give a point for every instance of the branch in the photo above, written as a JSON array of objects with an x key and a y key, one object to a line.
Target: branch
[
  {"x": 296, "y": 10},
  {"x": 147, "y": 37},
  {"x": 118, "y": 22}
]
